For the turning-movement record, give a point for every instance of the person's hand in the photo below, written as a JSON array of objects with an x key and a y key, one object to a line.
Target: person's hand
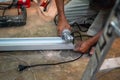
[
  {"x": 82, "y": 47},
  {"x": 62, "y": 24}
]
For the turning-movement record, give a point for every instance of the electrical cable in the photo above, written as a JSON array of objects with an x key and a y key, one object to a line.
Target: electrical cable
[
  {"x": 74, "y": 37},
  {"x": 23, "y": 67},
  {"x": 77, "y": 31},
  {"x": 3, "y": 12},
  {"x": 73, "y": 33},
  {"x": 8, "y": 7},
  {"x": 18, "y": 59},
  {"x": 75, "y": 24},
  {"x": 55, "y": 19}
]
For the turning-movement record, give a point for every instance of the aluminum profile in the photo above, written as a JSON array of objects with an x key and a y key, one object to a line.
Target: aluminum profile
[{"x": 42, "y": 43}]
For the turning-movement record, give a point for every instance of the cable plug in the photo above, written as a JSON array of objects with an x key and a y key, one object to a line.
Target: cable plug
[{"x": 22, "y": 67}]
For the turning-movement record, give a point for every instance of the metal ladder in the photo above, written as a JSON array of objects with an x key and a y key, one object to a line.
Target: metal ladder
[{"x": 110, "y": 33}]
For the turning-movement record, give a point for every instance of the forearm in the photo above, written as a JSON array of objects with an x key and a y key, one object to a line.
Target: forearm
[
  {"x": 95, "y": 38},
  {"x": 60, "y": 8}
]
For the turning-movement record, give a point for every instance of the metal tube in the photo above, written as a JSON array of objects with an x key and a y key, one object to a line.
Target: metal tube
[{"x": 38, "y": 43}]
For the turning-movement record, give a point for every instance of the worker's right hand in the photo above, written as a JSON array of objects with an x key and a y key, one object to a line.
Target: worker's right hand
[
  {"x": 82, "y": 46},
  {"x": 62, "y": 24}
]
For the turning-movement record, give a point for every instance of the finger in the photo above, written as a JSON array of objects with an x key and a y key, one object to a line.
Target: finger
[
  {"x": 76, "y": 49},
  {"x": 68, "y": 27},
  {"x": 81, "y": 50},
  {"x": 59, "y": 31},
  {"x": 79, "y": 43},
  {"x": 92, "y": 50}
]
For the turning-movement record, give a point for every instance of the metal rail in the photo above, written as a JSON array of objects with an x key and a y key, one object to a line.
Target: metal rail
[{"x": 38, "y": 43}]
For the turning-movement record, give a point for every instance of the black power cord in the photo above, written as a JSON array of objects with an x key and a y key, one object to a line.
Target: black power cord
[
  {"x": 80, "y": 26},
  {"x": 4, "y": 8},
  {"x": 23, "y": 67},
  {"x": 9, "y": 5}
]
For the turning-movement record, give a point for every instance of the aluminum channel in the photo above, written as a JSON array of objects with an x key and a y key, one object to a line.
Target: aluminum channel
[{"x": 37, "y": 43}]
